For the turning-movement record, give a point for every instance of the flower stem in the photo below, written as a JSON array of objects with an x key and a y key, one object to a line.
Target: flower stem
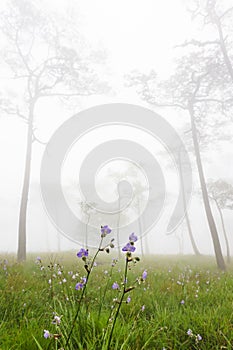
[
  {"x": 120, "y": 303},
  {"x": 83, "y": 292}
]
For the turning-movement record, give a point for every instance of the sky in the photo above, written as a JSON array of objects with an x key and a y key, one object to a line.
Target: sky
[{"x": 134, "y": 35}]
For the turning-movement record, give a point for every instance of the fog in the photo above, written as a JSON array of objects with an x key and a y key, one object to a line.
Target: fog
[{"x": 59, "y": 58}]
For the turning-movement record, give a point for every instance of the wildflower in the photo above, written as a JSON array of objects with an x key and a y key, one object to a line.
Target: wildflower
[
  {"x": 79, "y": 286},
  {"x": 133, "y": 237},
  {"x": 46, "y": 334},
  {"x": 56, "y": 320},
  {"x": 143, "y": 308},
  {"x": 144, "y": 275},
  {"x": 82, "y": 253},
  {"x": 84, "y": 280},
  {"x": 50, "y": 281},
  {"x": 182, "y": 302},
  {"x": 105, "y": 230},
  {"x": 189, "y": 332},
  {"x": 198, "y": 337},
  {"x": 114, "y": 261},
  {"x": 128, "y": 248},
  {"x": 128, "y": 300},
  {"x": 115, "y": 285},
  {"x": 64, "y": 280}
]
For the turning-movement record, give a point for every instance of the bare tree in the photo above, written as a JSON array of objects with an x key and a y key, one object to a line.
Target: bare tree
[{"x": 42, "y": 53}]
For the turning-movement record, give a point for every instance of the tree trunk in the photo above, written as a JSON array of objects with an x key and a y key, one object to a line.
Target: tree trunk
[
  {"x": 224, "y": 231},
  {"x": 21, "y": 253},
  {"x": 195, "y": 249},
  {"x": 209, "y": 215}
]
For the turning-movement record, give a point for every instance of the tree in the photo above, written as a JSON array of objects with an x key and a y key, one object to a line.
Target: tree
[
  {"x": 129, "y": 175},
  {"x": 184, "y": 90},
  {"x": 221, "y": 193},
  {"x": 42, "y": 54},
  {"x": 87, "y": 208}
]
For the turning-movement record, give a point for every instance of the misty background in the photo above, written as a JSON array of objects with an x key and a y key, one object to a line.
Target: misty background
[{"x": 106, "y": 52}]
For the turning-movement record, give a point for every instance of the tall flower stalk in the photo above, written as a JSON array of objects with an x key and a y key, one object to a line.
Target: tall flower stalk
[
  {"x": 129, "y": 248},
  {"x": 83, "y": 253}
]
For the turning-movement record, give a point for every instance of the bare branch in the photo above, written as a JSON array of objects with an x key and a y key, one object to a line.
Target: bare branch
[
  {"x": 60, "y": 94},
  {"x": 198, "y": 43},
  {"x": 36, "y": 139},
  {"x": 226, "y": 12},
  {"x": 20, "y": 53}
]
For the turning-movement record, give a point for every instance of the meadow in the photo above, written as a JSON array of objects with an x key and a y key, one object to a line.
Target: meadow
[{"x": 172, "y": 302}]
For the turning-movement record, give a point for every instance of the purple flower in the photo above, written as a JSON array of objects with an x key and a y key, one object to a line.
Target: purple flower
[
  {"x": 56, "y": 320},
  {"x": 143, "y": 308},
  {"x": 189, "y": 332},
  {"x": 46, "y": 334},
  {"x": 115, "y": 285},
  {"x": 199, "y": 337},
  {"x": 79, "y": 286},
  {"x": 128, "y": 300},
  {"x": 144, "y": 275},
  {"x": 84, "y": 280},
  {"x": 82, "y": 252},
  {"x": 128, "y": 248},
  {"x": 105, "y": 230},
  {"x": 133, "y": 237},
  {"x": 182, "y": 302}
]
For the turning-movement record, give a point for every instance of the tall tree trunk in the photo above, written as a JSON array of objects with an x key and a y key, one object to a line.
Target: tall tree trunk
[
  {"x": 195, "y": 249},
  {"x": 209, "y": 215},
  {"x": 21, "y": 253},
  {"x": 224, "y": 231}
]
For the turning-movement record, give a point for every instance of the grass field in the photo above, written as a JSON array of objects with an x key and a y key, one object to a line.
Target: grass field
[{"x": 183, "y": 303}]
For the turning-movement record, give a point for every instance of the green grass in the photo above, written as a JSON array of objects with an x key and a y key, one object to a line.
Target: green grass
[{"x": 27, "y": 303}]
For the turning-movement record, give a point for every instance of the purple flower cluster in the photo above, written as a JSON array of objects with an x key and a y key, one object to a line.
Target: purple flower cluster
[
  {"x": 80, "y": 285},
  {"x": 144, "y": 275},
  {"x": 129, "y": 247},
  {"x": 105, "y": 230},
  {"x": 82, "y": 253},
  {"x": 115, "y": 285}
]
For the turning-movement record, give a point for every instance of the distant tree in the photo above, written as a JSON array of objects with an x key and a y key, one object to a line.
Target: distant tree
[
  {"x": 44, "y": 57},
  {"x": 138, "y": 192},
  {"x": 221, "y": 193},
  {"x": 87, "y": 208}
]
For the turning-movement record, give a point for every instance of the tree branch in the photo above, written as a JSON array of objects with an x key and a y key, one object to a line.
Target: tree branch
[{"x": 198, "y": 43}]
